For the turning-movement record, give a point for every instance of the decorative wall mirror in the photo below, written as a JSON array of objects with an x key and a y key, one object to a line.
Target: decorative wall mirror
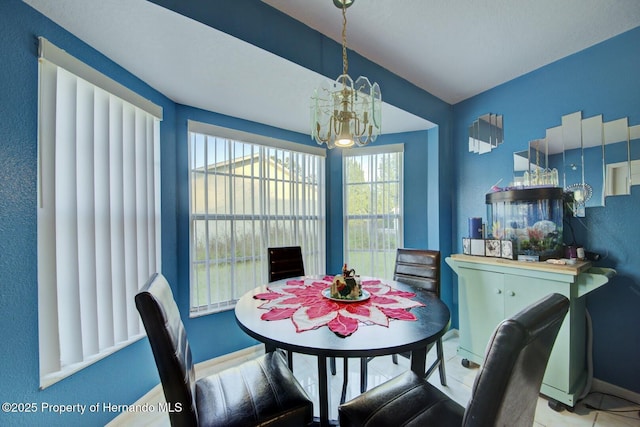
[
  {"x": 616, "y": 158},
  {"x": 593, "y": 158},
  {"x": 520, "y": 167},
  {"x": 634, "y": 154},
  {"x": 486, "y": 133}
]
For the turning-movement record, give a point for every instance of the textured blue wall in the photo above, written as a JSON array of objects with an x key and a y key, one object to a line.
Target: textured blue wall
[
  {"x": 428, "y": 179},
  {"x": 269, "y": 29},
  {"x": 598, "y": 80},
  {"x": 216, "y": 334},
  {"x": 595, "y": 81},
  {"x": 126, "y": 375}
]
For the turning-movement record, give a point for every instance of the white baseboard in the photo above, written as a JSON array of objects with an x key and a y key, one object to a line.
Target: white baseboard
[
  {"x": 208, "y": 367},
  {"x": 451, "y": 333},
  {"x": 607, "y": 388}
]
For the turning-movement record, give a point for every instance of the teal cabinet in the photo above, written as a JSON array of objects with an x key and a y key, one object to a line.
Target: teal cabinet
[{"x": 492, "y": 289}]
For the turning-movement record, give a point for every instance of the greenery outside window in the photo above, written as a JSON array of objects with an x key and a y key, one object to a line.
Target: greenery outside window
[
  {"x": 373, "y": 208},
  {"x": 249, "y": 193}
]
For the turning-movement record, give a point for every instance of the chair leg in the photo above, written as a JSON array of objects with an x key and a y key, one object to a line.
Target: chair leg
[
  {"x": 363, "y": 374},
  {"x": 345, "y": 380},
  {"x": 394, "y": 358},
  {"x": 439, "y": 363},
  {"x": 332, "y": 365},
  {"x": 290, "y": 360},
  {"x": 440, "y": 354}
]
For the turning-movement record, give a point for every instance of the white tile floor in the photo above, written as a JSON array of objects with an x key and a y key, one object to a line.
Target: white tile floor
[{"x": 459, "y": 382}]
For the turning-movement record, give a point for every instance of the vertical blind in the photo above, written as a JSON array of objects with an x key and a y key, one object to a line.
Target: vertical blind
[
  {"x": 246, "y": 197},
  {"x": 98, "y": 214},
  {"x": 373, "y": 208}
]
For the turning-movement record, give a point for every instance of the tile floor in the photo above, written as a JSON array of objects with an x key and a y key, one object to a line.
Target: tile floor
[{"x": 459, "y": 381}]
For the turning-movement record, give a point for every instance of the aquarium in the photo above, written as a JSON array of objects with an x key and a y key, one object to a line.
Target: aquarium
[{"x": 530, "y": 217}]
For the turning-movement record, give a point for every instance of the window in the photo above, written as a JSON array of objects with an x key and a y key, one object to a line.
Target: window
[
  {"x": 249, "y": 193},
  {"x": 98, "y": 212},
  {"x": 373, "y": 215}
]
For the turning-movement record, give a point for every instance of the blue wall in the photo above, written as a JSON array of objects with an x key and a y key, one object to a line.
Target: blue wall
[
  {"x": 598, "y": 80},
  {"x": 216, "y": 334},
  {"x": 428, "y": 179},
  {"x": 439, "y": 174},
  {"x": 269, "y": 29},
  {"x": 126, "y": 375}
]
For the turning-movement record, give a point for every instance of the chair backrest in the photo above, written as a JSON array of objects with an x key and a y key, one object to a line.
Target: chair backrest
[
  {"x": 170, "y": 347},
  {"x": 418, "y": 267},
  {"x": 285, "y": 262},
  {"x": 505, "y": 392}
]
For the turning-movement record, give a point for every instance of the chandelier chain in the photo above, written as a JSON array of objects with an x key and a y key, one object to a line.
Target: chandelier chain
[{"x": 345, "y": 63}]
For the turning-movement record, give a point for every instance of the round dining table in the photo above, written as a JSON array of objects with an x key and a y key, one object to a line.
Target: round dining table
[{"x": 432, "y": 320}]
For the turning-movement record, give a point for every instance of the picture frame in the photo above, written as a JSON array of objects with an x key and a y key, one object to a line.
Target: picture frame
[
  {"x": 477, "y": 247},
  {"x": 492, "y": 248},
  {"x": 466, "y": 246},
  {"x": 506, "y": 249}
]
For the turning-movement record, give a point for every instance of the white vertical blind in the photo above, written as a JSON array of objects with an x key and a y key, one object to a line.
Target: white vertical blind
[
  {"x": 373, "y": 208},
  {"x": 98, "y": 217},
  {"x": 249, "y": 193}
]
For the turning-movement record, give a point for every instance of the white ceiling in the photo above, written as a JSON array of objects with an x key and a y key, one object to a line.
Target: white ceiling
[
  {"x": 460, "y": 48},
  {"x": 452, "y": 49}
]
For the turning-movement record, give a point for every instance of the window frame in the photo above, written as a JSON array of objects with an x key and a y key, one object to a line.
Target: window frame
[
  {"x": 383, "y": 265},
  {"x": 312, "y": 238}
]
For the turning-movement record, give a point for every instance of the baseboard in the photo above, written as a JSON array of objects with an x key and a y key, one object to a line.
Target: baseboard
[
  {"x": 156, "y": 395},
  {"x": 597, "y": 385},
  {"x": 607, "y": 388},
  {"x": 208, "y": 367},
  {"x": 219, "y": 363},
  {"x": 451, "y": 333}
]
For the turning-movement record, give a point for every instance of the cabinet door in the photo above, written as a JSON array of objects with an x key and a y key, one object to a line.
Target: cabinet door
[
  {"x": 481, "y": 308},
  {"x": 520, "y": 291}
]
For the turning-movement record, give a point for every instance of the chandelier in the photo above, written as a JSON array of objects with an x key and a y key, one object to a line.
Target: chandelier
[{"x": 344, "y": 113}]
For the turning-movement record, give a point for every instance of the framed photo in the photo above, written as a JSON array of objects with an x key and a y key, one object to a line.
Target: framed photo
[
  {"x": 507, "y": 249},
  {"x": 466, "y": 246},
  {"x": 492, "y": 248},
  {"x": 477, "y": 247}
]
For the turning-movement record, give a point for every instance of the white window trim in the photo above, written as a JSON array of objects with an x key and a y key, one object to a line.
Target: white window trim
[{"x": 238, "y": 135}]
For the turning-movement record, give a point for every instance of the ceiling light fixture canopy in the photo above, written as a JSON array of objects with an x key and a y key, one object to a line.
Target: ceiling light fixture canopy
[{"x": 344, "y": 113}]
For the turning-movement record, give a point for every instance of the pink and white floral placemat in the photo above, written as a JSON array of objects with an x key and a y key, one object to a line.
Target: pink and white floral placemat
[{"x": 302, "y": 302}]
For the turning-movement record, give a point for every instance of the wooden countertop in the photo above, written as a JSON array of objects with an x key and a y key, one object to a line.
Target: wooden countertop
[{"x": 574, "y": 269}]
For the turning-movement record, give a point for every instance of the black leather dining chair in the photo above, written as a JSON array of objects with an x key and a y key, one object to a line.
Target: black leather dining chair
[
  {"x": 285, "y": 262},
  {"x": 419, "y": 268},
  {"x": 505, "y": 391},
  {"x": 259, "y": 392}
]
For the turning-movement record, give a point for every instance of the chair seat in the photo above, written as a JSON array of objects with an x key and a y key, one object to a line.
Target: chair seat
[
  {"x": 405, "y": 400},
  {"x": 260, "y": 392}
]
